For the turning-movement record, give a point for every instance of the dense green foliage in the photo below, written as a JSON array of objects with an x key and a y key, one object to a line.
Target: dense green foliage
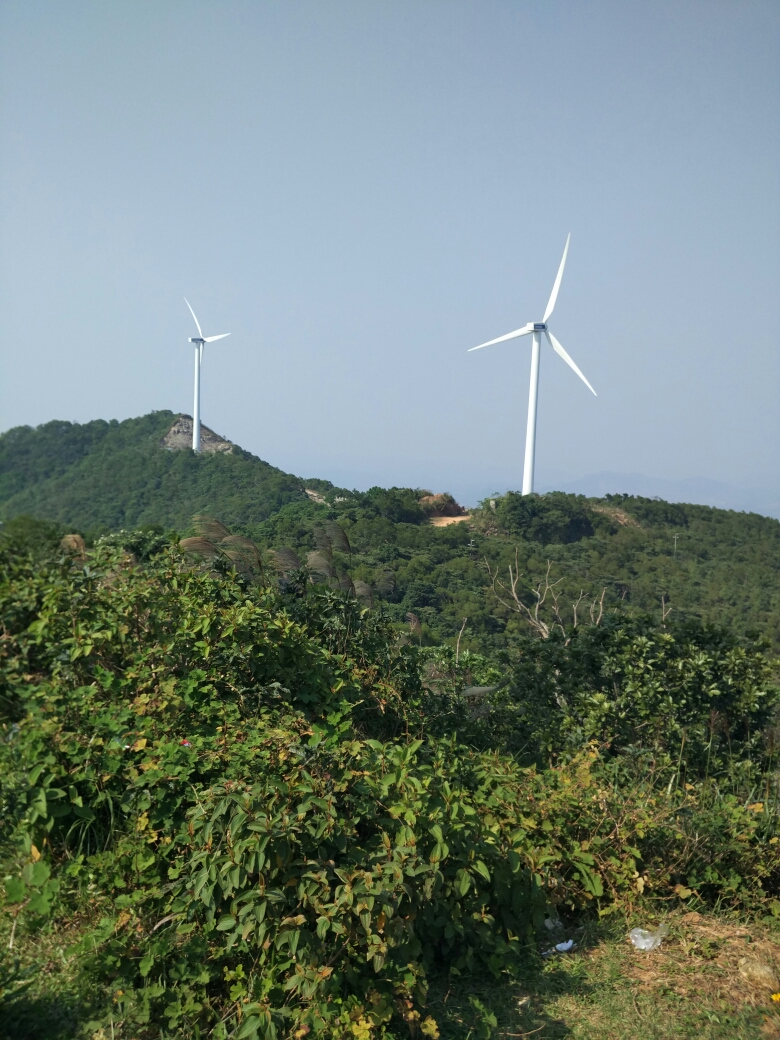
[
  {"x": 272, "y": 816},
  {"x": 112, "y": 475},
  {"x": 277, "y": 786},
  {"x": 709, "y": 564},
  {"x": 716, "y": 565}
]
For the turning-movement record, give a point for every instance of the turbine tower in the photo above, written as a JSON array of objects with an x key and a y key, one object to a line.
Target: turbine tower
[
  {"x": 199, "y": 341},
  {"x": 536, "y": 329}
]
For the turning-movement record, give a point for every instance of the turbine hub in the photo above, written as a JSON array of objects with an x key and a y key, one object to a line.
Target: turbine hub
[
  {"x": 197, "y": 339},
  {"x": 539, "y": 326}
]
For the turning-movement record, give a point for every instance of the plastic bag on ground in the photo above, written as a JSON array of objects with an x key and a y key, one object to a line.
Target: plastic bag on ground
[
  {"x": 562, "y": 947},
  {"x": 644, "y": 940}
]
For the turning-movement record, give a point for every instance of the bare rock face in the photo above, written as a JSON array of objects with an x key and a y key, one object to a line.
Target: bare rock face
[{"x": 179, "y": 437}]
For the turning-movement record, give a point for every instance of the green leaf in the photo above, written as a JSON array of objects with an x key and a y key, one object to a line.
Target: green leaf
[
  {"x": 480, "y": 868},
  {"x": 146, "y": 964},
  {"x": 462, "y": 882},
  {"x": 40, "y": 903},
  {"x": 35, "y": 874},
  {"x": 225, "y": 923},
  {"x": 15, "y": 890},
  {"x": 249, "y": 1028}
]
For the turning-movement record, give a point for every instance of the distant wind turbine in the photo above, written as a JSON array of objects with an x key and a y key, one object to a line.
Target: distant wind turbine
[
  {"x": 199, "y": 341},
  {"x": 536, "y": 329}
]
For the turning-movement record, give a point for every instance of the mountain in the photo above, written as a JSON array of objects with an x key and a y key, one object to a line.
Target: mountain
[
  {"x": 112, "y": 475},
  {"x": 432, "y": 569}
]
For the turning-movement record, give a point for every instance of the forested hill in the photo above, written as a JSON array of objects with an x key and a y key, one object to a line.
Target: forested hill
[
  {"x": 112, "y": 475},
  {"x": 643, "y": 555}
]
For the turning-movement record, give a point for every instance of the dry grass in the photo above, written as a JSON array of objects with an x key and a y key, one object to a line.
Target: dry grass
[
  {"x": 711, "y": 979},
  {"x": 707, "y": 957},
  {"x": 618, "y": 515}
]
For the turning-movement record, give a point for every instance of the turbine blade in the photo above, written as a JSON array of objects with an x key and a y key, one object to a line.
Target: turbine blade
[
  {"x": 212, "y": 339},
  {"x": 192, "y": 312},
  {"x": 556, "y": 287},
  {"x": 525, "y": 331},
  {"x": 562, "y": 353}
]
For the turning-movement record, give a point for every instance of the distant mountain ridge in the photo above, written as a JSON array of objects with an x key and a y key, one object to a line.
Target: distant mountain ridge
[{"x": 112, "y": 475}]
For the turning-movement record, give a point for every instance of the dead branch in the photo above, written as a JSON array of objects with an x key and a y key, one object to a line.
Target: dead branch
[
  {"x": 596, "y": 621},
  {"x": 574, "y": 606},
  {"x": 546, "y": 594},
  {"x": 509, "y": 597},
  {"x": 457, "y": 645}
]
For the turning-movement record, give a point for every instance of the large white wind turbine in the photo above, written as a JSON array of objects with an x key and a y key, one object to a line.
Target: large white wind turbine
[
  {"x": 536, "y": 329},
  {"x": 198, "y": 342}
]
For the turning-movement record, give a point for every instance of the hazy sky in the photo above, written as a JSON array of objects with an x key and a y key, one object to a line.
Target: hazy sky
[{"x": 359, "y": 192}]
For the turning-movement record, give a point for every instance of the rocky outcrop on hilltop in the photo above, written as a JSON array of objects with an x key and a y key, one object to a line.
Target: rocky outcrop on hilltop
[{"x": 179, "y": 437}]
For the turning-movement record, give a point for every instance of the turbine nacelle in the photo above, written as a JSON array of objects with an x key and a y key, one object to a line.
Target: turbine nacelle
[
  {"x": 541, "y": 327},
  {"x": 201, "y": 338}
]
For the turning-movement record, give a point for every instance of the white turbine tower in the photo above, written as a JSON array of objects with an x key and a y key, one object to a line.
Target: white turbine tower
[
  {"x": 536, "y": 329},
  {"x": 199, "y": 342}
]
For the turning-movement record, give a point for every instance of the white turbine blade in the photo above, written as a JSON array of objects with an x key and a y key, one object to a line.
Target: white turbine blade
[
  {"x": 562, "y": 353},
  {"x": 212, "y": 339},
  {"x": 556, "y": 287},
  {"x": 192, "y": 312},
  {"x": 525, "y": 331}
]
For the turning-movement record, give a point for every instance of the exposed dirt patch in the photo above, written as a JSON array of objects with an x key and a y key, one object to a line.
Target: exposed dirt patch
[
  {"x": 445, "y": 521},
  {"x": 618, "y": 515}
]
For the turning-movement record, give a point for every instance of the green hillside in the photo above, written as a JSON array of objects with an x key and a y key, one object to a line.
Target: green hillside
[
  {"x": 644, "y": 555},
  {"x": 235, "y": 803},
  {"x": 112, "y": 475}
]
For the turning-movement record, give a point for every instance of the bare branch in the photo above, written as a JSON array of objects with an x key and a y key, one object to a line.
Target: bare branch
[
  {"x": 574, "y": 606},
  {"x": 457, "y": 645},
  {"x": 596, "y": 621},
  {"x": 508, "y": 596}
]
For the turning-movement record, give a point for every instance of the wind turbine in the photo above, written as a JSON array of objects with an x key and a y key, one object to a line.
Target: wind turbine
[
  {"x": 199, "y": 342},
  {"x": 536, "y": 329}
]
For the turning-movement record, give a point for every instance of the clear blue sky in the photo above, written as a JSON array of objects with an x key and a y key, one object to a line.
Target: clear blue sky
[{"x": 359, "y": 192}]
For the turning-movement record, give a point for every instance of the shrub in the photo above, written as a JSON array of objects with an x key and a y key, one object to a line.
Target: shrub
[
  {"x": 246, "y": 800},
  {"x": 550, "y": 519},
  {"x": 690, "y": 694}
]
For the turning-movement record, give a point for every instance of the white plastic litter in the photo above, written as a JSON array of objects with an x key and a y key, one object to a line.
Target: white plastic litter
[
  {"x": 644, "y": 940},
  {"x": 562, "y": 947}
]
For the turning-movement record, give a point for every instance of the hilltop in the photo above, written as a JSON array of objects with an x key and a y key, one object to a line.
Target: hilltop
[
  {"x": 111, "y": 475},
  {"x": 641, "y": 554}
]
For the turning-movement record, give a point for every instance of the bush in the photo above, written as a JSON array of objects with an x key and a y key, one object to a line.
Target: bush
[
  {"x": 550, "y": 519},
  {"x": 249, "y": 802},
  {"x": 690, "y": 694}
]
